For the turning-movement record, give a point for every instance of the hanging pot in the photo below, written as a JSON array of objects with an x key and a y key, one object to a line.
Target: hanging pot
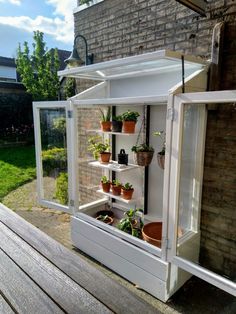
[
  {"x": 143, "y": 158},
  {"x": 123, "y": 157},
  {"x": 161, "y": 160}
]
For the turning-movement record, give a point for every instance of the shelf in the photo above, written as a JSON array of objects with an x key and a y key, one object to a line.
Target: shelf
[
  {"x": 114, "y": 133},
  {"x": 119, "y": 198},
  {"x": 113, "y": 166}
]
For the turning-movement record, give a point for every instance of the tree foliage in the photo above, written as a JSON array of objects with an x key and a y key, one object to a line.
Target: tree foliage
[{"x": 38, "y": 70}]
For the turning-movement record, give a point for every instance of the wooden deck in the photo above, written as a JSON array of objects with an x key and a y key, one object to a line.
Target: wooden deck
[{"x": 39, "y": 275}]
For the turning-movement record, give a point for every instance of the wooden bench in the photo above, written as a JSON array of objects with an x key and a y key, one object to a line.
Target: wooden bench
[{"x": 39, "y": 275}]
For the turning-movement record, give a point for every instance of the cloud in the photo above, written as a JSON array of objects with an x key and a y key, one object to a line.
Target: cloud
[
  {"x": 61, "y": 28},
  {"x": 15, "y": 2}
]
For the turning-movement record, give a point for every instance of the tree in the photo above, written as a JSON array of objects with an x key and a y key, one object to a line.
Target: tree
[{"x": 38, "y": 70}]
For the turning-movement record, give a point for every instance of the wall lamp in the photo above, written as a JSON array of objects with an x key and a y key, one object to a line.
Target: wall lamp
[{"x": 74, "y": 59}]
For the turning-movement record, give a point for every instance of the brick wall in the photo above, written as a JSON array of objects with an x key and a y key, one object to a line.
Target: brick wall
[{"x": 119, "y": 28}]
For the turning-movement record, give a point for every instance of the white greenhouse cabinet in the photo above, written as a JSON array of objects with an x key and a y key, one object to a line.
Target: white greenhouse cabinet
[{"x": 147, "y": 84}]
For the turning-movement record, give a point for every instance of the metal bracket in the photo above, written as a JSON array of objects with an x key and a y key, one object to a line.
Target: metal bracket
[
  {"x": 69, "y": 114},
  {"x": 170, "y": 114}
]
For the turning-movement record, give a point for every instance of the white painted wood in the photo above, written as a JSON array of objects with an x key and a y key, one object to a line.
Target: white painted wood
[
  {"x": 158, "y": 99},
  {"x": 113, "y": 133},
  {"x": 116, "y": 197},
  {"x": 144, "y": 279},
  {"x": 114, "y": 166},
  {"x": 96, "y": 91},
  {"x": 120, "y": 234}
]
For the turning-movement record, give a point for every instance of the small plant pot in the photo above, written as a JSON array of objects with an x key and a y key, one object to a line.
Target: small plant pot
[
  {"x": 105, "y": 126},
  {"x": 129, "y": 126},
  {"x": 143, "y": 158},
  {"x": 117, "y": 126},
  {"x": 116, "y": 190},
  {"x": 161, "y": 160},
  {"x": 127, "y": 194},
  {"x": 108, "y": 220},
  {"x": 105, "y": 212},
  {"x": 105, "y": 157},
  {"x": 106, "y": 187},
  {"x": 152, "y": 233}
]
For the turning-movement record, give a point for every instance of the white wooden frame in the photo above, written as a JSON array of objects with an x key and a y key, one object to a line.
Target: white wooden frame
[
  {"x": 37, "y": 106},
  {"x": 219, "y": 97}
]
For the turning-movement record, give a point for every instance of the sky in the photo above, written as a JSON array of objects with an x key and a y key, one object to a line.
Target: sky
[{"x": 19, "y": 18}]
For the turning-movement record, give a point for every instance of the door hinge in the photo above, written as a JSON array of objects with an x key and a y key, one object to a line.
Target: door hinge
[
  {"x": 69, "y": 114},
  {"x": 167, "y": 244},
  {"x": 170, "y": 114},
  {"x": 72, "y": 203}
]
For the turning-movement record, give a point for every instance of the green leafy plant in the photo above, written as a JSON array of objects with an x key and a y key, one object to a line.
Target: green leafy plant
[
  {"x": 116, "y": 182},
  {"x": 54, "y": 158},
  {"x": 162, "y": 136},
  {"x": 142, "y": 148},
  {"x": 84, "y": 1},
  {"x": 117, "y": 118},
  {"x": 131, "y": 223},
  {"x": 62, "y": 188},
  {"x": 130, "y": 116},
  {"x": 103, "y": 218},
  {"x": 105, "y": 180},
  {"x": 127, "y": 186},
  {"x": 105, "y": 116},
  {"x": 97, "y": 147}
]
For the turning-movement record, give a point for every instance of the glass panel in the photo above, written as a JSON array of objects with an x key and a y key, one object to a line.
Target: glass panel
[
  {"x": 190, "y": 186},
  {"x": 54, "y": 155}
]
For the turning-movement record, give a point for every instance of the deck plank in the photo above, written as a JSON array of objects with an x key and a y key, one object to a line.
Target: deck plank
[
  {"x": 5, "y": 307},
  {"x": 24, "y": 295},
  {"x": 64, "y": 291},
  {"x": 109, "y": 292}
]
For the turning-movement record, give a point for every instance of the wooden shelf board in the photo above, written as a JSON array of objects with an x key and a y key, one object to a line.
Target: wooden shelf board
[
  {"x": 119, "y": 198},
  {"x": 114, "y": 133},
  {"x": 113, "y": 166}
]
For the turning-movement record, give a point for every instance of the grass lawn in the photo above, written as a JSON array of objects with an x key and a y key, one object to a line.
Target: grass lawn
[{"x": 17, "y": 166}]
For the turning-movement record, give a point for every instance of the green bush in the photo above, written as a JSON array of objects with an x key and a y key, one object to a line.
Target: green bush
[
  {"x": 62, "y": 188},
  {"x": 54, "y": 158}
]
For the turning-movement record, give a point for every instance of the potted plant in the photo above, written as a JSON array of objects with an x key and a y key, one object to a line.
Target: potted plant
[
  {"x": 132, "y": 223},
  {"x": 106, "y": 219},
  {"x": 99, "y": 148},
  {"x": 127, "y": 191},
  {"x": 161, "y": 154},
  {"x": 106, "y": 184},
  {"x": 143, "y": 154},
  {"x": 105, "y": 120},
  {"x": 129, "y": 119},
  {"x": 117, "y": 123},
  {"x": 116, "y": 187}
]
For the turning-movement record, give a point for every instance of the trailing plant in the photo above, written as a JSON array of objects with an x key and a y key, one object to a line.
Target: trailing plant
[
  {"x": 130, "y": 116},
  {"x": 62, "y": 188},
  {"x": 54, "y": 158},
  {"x": 162, "y": 136},
  {"x": 105, "y": 116},
  {"x": 142, "y": 148},
  {"x": 127, "y": 186},
  {"x": 132, "y": 223},
  {"x": 97, "y": 147}
]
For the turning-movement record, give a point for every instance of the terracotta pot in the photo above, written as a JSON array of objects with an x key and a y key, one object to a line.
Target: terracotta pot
[
  {"x": 116, "y": 190},
  {"x": 129, "y": 126},
  {"x": 152, "y": 233},
  {"x": 127, "y": 194},
  {"x": 105, "y": 157},
  {"x": 161, "y": 160},
  {"x": 106, "y": 187},
  {"x": 108, "y": 221},
  {"x": 105, "y": 126}
]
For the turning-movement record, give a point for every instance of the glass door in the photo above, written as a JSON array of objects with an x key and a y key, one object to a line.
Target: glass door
[
  {"x": 186, "y": 232},
  {"x": 51, "y": 128}
]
